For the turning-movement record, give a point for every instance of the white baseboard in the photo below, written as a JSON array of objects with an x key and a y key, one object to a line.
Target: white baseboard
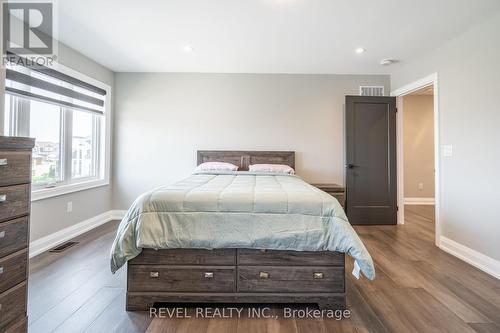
[
  {"x": 476, "y": 259},
  {"x": 419, "y": 201},
  {"x": 46, "y": 243}
]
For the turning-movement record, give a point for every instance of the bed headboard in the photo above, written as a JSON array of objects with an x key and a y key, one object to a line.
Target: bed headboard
[{"x": 244, "y": 158}]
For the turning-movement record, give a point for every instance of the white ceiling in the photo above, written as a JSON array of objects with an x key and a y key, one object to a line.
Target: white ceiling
[{"x": 262, "y": 36}]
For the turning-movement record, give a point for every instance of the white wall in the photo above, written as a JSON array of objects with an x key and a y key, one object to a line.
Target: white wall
[
  {"x": 418, "y": 142},
  {"x": 49, "y": 215},
  {"x": 162, "y": 119},
  {"x": 469, "y": 99}
]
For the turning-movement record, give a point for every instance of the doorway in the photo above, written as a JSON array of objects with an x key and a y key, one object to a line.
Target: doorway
[
  {"x": 418, "y": 157},
  {"x": 418, "y": 149}
]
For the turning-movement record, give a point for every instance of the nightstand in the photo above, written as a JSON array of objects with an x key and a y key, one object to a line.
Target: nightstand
[{"x": 335, "y": 190}]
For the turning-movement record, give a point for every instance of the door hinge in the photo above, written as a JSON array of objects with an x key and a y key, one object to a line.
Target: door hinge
[
  {"x": 397, "y": 208},
  {"x": 396, "y": 109}
]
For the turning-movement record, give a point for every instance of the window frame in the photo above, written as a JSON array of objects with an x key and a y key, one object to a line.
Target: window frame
[{"x": 102, "y": 145}]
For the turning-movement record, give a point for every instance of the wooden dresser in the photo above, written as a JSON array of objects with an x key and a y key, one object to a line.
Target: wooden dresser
[
  {"x": 336, "y": 191},
  {"x": 15, "y": 190}
]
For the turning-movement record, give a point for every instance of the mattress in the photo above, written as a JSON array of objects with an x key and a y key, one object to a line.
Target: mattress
[{"x": 238, "y": 210}]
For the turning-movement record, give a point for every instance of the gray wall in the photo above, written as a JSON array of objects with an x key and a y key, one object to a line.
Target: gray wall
[
  {"x": 49, "y": 215},
  {"x": 418, "y": 142},
  {"x": 469, "y": 100},
  {"x": 162, "y": 119}
]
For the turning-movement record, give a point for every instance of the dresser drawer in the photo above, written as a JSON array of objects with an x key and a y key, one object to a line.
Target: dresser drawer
[
  {"x": 15, "y": 167},
  {"x": 13, "y": 269},
  {"x": 13, "y": 236},
  {"x": 290, "y": 279},
  {"x": 289, "y": 258},
  {"x": 14, "y": 201},
  {"x": 181, "y": 278},
  {"x": 224, "y": 257},
  {"x": 13, "y": 304}
]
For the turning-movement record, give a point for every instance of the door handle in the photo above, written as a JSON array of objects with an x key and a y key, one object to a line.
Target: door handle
[{"x": 350, "y": 166}]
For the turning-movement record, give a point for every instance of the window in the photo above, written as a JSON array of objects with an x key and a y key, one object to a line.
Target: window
[
  {"x": 45, "y": 126},
  {"x": 69, "y": 128}
]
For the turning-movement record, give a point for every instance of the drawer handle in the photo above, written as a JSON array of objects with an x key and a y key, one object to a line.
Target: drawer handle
[
  {"x": 2, "y": 234},
  {"x": 3, "y": 161},
  {"x": 3, "y": 197},
  {"x": 264, "y": 275},
  {"x": 318, "y": 275},
  {"x": 154, "y": 275},
  {"x": 263, "y": 250},
  {"x": 209, "y": 275}
]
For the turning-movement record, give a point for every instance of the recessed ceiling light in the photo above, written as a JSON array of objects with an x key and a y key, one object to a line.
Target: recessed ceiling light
[
  {"x": 360, "y": 50},
  {"x": 188, "y": 48}
]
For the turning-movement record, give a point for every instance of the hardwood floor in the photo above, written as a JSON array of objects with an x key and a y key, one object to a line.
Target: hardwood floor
[{"x": 418, "y": 288}]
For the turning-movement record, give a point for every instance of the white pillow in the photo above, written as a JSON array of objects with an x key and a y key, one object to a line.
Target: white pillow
[
  {"x": 216, "y": 166},
  {"x": 272, "y": 168}
]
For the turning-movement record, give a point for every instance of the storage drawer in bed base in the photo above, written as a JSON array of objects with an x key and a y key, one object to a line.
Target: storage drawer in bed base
[
  {"x": 291, "y": 279},
  {"x": 150, "y": 278}
]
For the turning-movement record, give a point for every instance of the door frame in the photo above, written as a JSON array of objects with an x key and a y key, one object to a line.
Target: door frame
[{"x": 431, "y": 80}]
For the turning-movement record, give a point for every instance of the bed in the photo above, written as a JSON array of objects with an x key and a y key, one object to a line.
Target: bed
[{"x": 237, "y": 237}]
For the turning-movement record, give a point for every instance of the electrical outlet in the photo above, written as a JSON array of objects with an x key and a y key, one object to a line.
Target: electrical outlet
[
  {"x": 420, "y": 186},
  {"x": 69, "y": 207}
]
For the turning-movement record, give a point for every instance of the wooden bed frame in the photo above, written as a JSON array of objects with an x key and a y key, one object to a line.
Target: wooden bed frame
[{"x": 236, "y": 275}]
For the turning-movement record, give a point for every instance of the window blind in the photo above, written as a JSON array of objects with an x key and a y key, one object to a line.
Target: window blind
[{"x": 51, "y": 86}]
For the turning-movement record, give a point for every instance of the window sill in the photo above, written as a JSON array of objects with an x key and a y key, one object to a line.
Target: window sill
[{"x": 66, "y": 189}]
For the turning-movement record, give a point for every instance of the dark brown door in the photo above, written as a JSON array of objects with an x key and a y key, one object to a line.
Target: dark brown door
[{"x": 371, "y": 160}]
